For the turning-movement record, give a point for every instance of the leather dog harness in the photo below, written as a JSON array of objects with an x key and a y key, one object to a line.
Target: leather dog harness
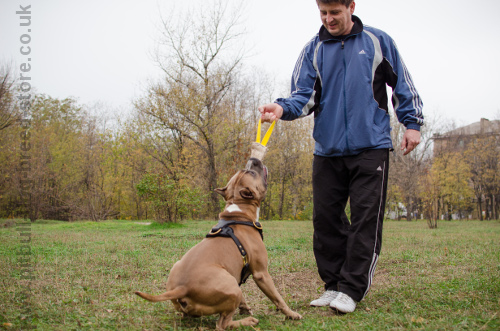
[{"x": 223, "y": 229}]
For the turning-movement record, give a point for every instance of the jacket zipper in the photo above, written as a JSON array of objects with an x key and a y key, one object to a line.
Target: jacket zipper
[{"x": 345, "y": 99}]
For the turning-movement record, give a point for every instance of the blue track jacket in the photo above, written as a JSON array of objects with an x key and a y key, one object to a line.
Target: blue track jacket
[{"x": 342, "y": 80}]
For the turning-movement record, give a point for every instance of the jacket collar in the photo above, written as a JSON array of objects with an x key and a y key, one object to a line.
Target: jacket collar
[{"x": 356, "y": 29}]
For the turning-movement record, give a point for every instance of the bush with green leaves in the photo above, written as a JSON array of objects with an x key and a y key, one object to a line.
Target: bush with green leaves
[{"x": 170, "y": 200}]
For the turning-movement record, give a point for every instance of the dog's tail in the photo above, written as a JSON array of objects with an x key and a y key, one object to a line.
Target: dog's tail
[{"x": 176, "y": 293}]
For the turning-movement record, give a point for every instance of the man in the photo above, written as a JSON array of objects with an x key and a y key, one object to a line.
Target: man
[{"x": 341, "y": 77}]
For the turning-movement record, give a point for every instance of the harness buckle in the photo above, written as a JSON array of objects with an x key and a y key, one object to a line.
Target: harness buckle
[
  {"x": 214, "y": 233},
  {"x": 257, "y": 225}
]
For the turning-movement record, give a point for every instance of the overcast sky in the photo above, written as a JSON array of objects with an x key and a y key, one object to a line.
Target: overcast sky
[{"x": 100, "y": 51}]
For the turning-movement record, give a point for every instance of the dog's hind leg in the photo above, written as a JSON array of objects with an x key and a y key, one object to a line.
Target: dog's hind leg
[
  {"x": 231, "y": 299},
  {"x": 244, "y": 308}
]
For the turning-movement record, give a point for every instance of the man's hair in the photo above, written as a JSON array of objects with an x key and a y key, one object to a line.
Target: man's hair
[{"x": 346, "y": 3}]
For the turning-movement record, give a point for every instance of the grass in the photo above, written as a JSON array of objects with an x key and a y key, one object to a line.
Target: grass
[{"x": 85, "y": 274}]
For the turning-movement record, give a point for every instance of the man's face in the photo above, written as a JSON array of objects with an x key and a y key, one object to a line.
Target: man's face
[{"x": 336, "y": 17}]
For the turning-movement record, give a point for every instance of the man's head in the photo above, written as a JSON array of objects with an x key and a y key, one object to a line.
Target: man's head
[{"x": 336, "y": 15}]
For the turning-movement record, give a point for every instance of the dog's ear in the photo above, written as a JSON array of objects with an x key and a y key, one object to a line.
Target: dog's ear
[
  {"x": 222, "y": 191},
  {"x": 246, "y": 193}
]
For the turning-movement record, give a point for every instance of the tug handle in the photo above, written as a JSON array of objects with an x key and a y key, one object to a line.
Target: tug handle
[{"x": 267, "y": 135}]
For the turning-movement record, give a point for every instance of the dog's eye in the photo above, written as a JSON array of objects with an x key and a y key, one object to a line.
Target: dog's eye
[{"x": 252, "y": 172}]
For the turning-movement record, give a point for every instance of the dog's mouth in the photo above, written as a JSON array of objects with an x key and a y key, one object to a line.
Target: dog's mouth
[{"x": 256, "y": 166}]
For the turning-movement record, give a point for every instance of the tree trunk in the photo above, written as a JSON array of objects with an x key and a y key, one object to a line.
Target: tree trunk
[
  {"x": 480, "y": 208},
  {"x": 267, "y": 204},
  {"x": 212, "y": 185},
  {"x": 282, "y": 198},
  {"x": 495, "y": 207}
]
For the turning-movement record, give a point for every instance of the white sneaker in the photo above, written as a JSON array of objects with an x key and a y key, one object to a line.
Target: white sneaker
[
  {"x": 343, "y": 303},
  {"x": 325, "y": 299}
]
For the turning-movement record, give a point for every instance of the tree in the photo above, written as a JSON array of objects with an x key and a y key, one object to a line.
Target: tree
[
  {"x": 170, "y": 199},
  {"x": 8, "y": 109},
  {"x": 100, "y": 180},
  {"x": 483, "y": 157},
  {"x": 50, "y": 175},
  {"x": 405, "y": 170},
  {"x": 444, "y": 188},
  {"x": 72, "y": 173},
  {"x": 133, "y": 163},
  {"x": 453, "y": 176},
  {"x": 289, "y": 160},
  {"x": 9, "y": 165},
  {"x": 200, "y": 71},
  {"x": 430, "y": 184}
]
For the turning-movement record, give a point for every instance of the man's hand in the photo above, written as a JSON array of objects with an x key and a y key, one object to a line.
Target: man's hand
[
  {"x": 411, "y": 139},
  {"x": 270, "y": 112}
]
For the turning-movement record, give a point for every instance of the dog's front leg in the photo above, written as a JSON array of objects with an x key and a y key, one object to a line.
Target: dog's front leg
[{"x": 266, "y": 284}]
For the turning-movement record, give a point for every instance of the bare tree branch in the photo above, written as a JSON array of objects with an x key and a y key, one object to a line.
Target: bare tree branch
[{"x": 8, "y": 110}]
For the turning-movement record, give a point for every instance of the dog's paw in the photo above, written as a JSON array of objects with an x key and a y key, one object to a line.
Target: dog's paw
[
  {"x": 250, "y": 321},
  {"x": 293, "y": 316}
]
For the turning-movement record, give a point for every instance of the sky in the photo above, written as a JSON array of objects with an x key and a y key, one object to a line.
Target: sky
[{"x": 100, "y": 51}]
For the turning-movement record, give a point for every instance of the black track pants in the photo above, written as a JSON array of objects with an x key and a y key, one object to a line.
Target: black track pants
[{"x": 347, "y": 253}]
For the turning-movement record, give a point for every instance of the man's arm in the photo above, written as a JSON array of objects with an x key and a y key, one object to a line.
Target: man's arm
[
  {"x": 406, "y": 100},
  {"x": 301, "y": 101}
]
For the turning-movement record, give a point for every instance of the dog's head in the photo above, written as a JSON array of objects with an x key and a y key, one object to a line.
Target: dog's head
[{"x": 248, "y": 186}]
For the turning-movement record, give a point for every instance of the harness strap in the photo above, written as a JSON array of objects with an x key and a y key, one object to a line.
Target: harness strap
[
  {"x": 223, "y": 229},
  {"x": 223, "y": 223}
]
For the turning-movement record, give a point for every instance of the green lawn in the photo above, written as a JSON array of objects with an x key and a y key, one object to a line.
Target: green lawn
[{"x": 85, "y": 275}]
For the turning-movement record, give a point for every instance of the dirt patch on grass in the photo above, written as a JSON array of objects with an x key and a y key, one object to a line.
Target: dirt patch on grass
[
  {"x": 8, "y": 224},
  {"x": 300, "y": 288},
  {"x": 297, "y": 289}
]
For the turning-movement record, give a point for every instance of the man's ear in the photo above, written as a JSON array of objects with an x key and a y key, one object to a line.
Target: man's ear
[{"x": 246, "y": 193}]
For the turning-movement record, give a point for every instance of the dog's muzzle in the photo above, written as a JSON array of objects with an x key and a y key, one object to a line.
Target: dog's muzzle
[{"x": 256, "y": 165}]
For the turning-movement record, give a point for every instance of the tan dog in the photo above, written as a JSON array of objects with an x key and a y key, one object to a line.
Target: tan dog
[{"x": 205, "y": 281}]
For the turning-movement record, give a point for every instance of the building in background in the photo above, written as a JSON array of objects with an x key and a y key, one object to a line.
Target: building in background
[{"x": 458, "y": 139}]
